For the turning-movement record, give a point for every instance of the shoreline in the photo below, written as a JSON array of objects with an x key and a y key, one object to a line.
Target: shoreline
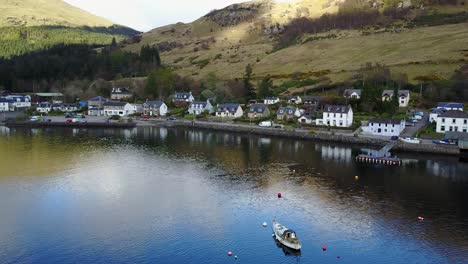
[{"x": 341, "y": 138}]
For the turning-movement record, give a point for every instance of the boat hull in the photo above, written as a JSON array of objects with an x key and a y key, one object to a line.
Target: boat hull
[
  {"x": 287, "y": 244},
  {"x": 278, "y": 232}
]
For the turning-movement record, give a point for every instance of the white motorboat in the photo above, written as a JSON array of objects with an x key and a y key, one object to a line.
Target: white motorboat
[
  {"x": 286, "y": 236},
  {"x": 411, "y": 140}
]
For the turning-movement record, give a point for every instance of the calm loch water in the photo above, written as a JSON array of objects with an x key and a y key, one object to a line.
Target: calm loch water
[{"x": 156, "y": 195}]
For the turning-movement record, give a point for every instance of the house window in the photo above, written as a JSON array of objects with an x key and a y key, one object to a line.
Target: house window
[
  {"x": 454, "y": 121},
  {"x": 385, "y": 130},
  {"x": 465, "y": 121},
  {"x": 456, "y": 129},
  {"x": 442, "y": 128},
  {"x": 443, "y": 120},
  {"x": 464, "y": 130}
]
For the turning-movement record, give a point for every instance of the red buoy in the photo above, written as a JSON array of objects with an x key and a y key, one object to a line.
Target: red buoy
[
  {"x": 280, "y": 195},
  {"x": 324, "y": 248},
  {"x": 229, "y": 253}
]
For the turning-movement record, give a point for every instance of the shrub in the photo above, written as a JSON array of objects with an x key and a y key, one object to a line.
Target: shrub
[{"x": 115, "y": 117}]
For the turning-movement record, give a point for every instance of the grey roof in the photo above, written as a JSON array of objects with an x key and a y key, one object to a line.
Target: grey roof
[
  {"x": 115, "y": 103},
  {"x": 454, "y": 114},
  {"x": 288, "y": 110},
  {"x": 49, "y": 94},
  {"x": 391, "y": 121},
  {"x": 450, "y": 105},
  {"x": 202, "y": 103},
  {"x": 348, "y": 92},
  {"x": 312, "y": 98},
  {"x": 336, "y": 108},
  {"x": 306, "y": 117},
  {"x": 258, "y": 108},
  {"x": 453, "y": 135},
  {"x": 400, "y": 93},
  {"x": 232, "y": 108},
  {"x": 182, "y": 95},
  {"x": 98, "y": 99},
  {"x": 153, "y": 103},
  {"x": 293, "y": 97},
  {"x": 4, "y": 100},
  {"x": 272, "y": 98}
]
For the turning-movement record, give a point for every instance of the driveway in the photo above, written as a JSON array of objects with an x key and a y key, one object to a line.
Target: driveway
[{"x": 410, "y": 131}]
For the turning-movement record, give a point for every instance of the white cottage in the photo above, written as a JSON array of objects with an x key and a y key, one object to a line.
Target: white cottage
[
  {"x": 198, "y": 107},
  {"x": 452, "y": 120},
  {"x": 229, "y": 110},
  {"x": 155, "y": 108},
  {"x": 403, "y": 97},
  {"x": 352, "y": 93},
  {"x": 6, "y": 105},
  {"x": 385, "y": 127},
  {"x": 337, "y": 116},
  {"x": 295, "y": 99},
  {"x": 115, "y": 108},
  {"x": 271, "y": 100}
]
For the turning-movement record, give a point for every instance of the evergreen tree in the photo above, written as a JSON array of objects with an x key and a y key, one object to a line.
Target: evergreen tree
[
  {"x": 248, "y": 84},
  {"x": 265, "y": 87},
  {"x": 395, "y": 103}
]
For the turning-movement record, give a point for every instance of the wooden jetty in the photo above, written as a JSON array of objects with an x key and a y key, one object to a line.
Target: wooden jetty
[{"x": 380, "y": 157}]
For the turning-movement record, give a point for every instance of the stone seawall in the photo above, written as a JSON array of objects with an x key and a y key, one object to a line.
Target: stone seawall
[{"x": 352, "y": 140}]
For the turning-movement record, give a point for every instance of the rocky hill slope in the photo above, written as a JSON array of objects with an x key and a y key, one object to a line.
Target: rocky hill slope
[{"x": 410, "y": 36}]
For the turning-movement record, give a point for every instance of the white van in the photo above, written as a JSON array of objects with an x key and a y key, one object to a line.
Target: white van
[{"x": 266, "y": 124}]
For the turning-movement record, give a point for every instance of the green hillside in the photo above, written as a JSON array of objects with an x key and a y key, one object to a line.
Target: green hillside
[{"x": 31, "y": 25}]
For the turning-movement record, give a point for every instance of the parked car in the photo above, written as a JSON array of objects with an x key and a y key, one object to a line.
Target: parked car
[
  {"x": 278, "y": 126},
  {"x": 417, "y": 117},
  {"x": 443, "y": 142},
  {"x": 68, "y": 121},
  {"x": 172, "y": 118},
  {"x": 394, "y": 138},
  {"x": 35, "y": 118},
  {"x": 144, "y": 117}
]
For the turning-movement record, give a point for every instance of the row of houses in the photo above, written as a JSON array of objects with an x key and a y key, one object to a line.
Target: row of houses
[{"x": 11, "y": 103}]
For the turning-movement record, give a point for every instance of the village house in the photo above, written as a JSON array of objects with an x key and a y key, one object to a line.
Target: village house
[
  {"x": 229, "y": 110},
  {"x": 155, "y": 108},
  {"x": 337, "y": 116},
  {"x": 305, "y": 119},
  {"x": 44, "y": 107},
  {"x": 452, "y": 120},
  {"x": 116, "y": 108},
  {"x": 6, "y": 105},
  {"x": 384, "y": 127},
  {"x": 403, "y": 97},
  {"x": 352, "y": 93},
  {"x": 442, "y": 107},
  {"x": 199, "y": 107},
  {"x": 294, "y": 99},
  {"x": 271, "y": 100},
  {"x": 137, "y": 108},
  {"x": 258, "y": 111},
  {"x": 96, "y": 106},
  {"x": 184, "y": 97},
  {"x": 312, "y": 100},
  {"x": 120, "y": 93},
  {"x": 288, "y": 113},
  {"x": 19, "y": 102}
]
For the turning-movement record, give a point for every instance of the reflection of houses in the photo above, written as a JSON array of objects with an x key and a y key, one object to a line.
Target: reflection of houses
[
  {"x": 403, "y": 97},
  {"x": 352, "y": 93},
  {"x": 271, "y": 100},
  {"x": 337, "y": 116},
  {"x": 336, "y": 153},
  {"x": 155, "y": 108},
  {"x": 115, "y": 108},
  {"x": 120, "y": 93},
  {"x": 198, "y": 107},
  {"x": 287, "y": 113},
  {"x": 229, "y": 110},
  {"x": 258, "y": 111},
  {"x": 385, "y": 127},
  {"x": 452, "y": 120},
  {"x": 96, "y": 106}
]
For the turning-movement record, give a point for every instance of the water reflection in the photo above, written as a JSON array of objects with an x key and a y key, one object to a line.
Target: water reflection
[{"x": 158, "y": 186}]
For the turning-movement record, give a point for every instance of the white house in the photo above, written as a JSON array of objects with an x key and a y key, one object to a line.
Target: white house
[
  {"x": 96, "y": 106},
  {"x": 450, "y": 106},
  {"x": 184, "y": 97},
  {"x": 44, "y": 107},
  {"x": 66, "y": 107},
  {"x": 352, "y": 93},
  {"x": 337, "y": 116},
  {"x": 403, "y": 97},
  {"x": 120, "y": 93},
  {"x": 288, "y": 113},
  {"x": 113, "y": 108},
  {"x": 305, "y": 120},
  {"x": 137, "y": 108},
  {"x": 6, "y": 105},
  {"x": 155, "y": 108},
  {"x": 20, "y": 102},
  {"x": 452, "y": 120},
  {"x": 435, "y": 112},
  {"x": 295, "y": 99},
  {"x": 198, "y": 107},
  {"x": 229, "y": 110},
  {"x": 385, "y": 127},
  {"x": 271, "y": 100}
]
